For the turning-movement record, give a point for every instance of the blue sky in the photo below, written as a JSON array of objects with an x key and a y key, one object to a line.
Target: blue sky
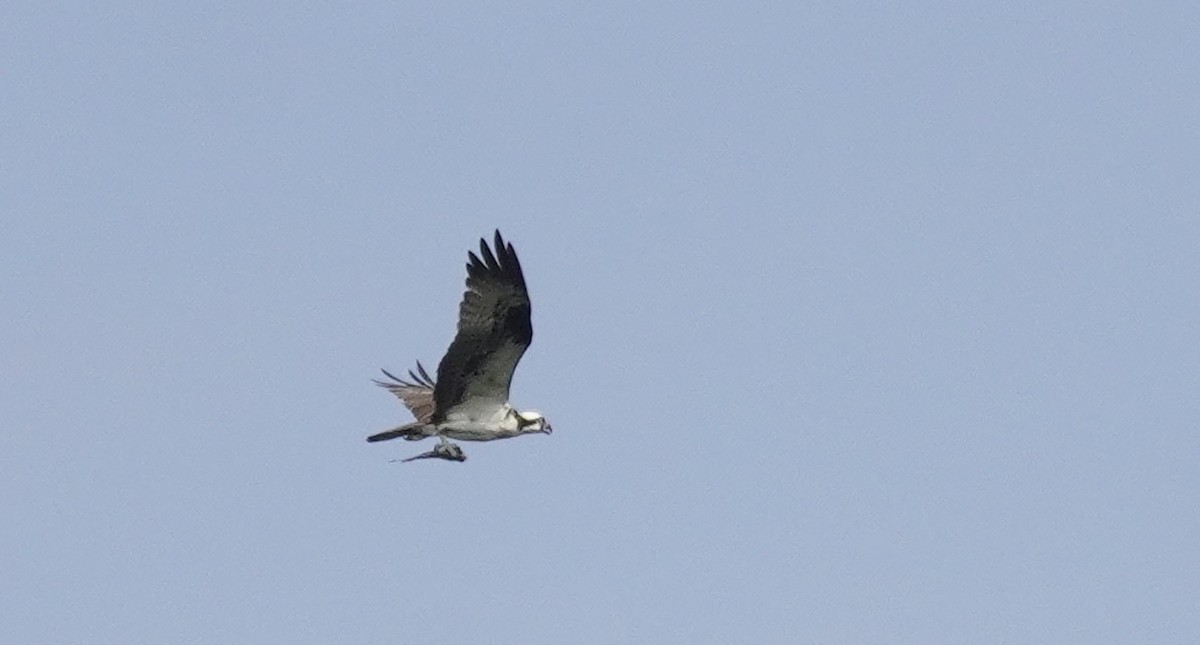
[{"x": 856, "y": 323}]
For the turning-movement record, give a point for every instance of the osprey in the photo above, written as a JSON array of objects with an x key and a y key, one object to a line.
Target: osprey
[{"x": 469, "y": 399}]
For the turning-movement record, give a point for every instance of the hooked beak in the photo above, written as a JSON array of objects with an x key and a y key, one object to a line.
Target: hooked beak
[{"x": 548, "y": 429}]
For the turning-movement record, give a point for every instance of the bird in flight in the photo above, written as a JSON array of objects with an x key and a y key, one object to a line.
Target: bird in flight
[{"x": 469, "y": 399}]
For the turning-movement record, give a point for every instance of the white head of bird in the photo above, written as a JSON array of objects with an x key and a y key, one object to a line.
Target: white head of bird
[{"x": 533, "y": 421}]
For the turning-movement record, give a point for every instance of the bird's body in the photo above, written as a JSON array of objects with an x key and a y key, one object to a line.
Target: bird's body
[
  {"x": 469, "y": 400},
  {"x": 486, "y": 425}
]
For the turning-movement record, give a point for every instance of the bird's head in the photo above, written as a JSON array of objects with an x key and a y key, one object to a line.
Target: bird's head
[{"x": 532, "y": 421}]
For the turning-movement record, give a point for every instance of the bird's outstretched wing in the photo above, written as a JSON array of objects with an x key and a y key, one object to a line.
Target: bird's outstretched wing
[
  {"x": 493, "y": 332},
  {"x": 416, "y": 394}
]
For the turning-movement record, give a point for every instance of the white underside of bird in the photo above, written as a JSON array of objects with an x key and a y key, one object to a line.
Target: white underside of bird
[{"x": 503, "y": 423}]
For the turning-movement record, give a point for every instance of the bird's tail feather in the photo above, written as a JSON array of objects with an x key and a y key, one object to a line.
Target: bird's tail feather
[{"x": 411, "y": 431}]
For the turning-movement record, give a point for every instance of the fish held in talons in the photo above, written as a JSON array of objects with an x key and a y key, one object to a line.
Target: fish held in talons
[{"x": 447, "y": 451}]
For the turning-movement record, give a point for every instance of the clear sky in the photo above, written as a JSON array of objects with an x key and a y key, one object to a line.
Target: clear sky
[{"x": 856, "y": 322}]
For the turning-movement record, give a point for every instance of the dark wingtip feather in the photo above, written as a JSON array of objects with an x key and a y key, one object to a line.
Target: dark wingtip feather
[
  {"x": 488, "y": 258},
  {"x": 417, "y": 381},
  {"x": 475, "y": 266},
  {"x": 424, "y": 374},
  {"x": 506, "y": 259},
  {"x": 502, "y": 260},
  {"x": 514, "y": 266},
  {"x": 421, "y": 377}
]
